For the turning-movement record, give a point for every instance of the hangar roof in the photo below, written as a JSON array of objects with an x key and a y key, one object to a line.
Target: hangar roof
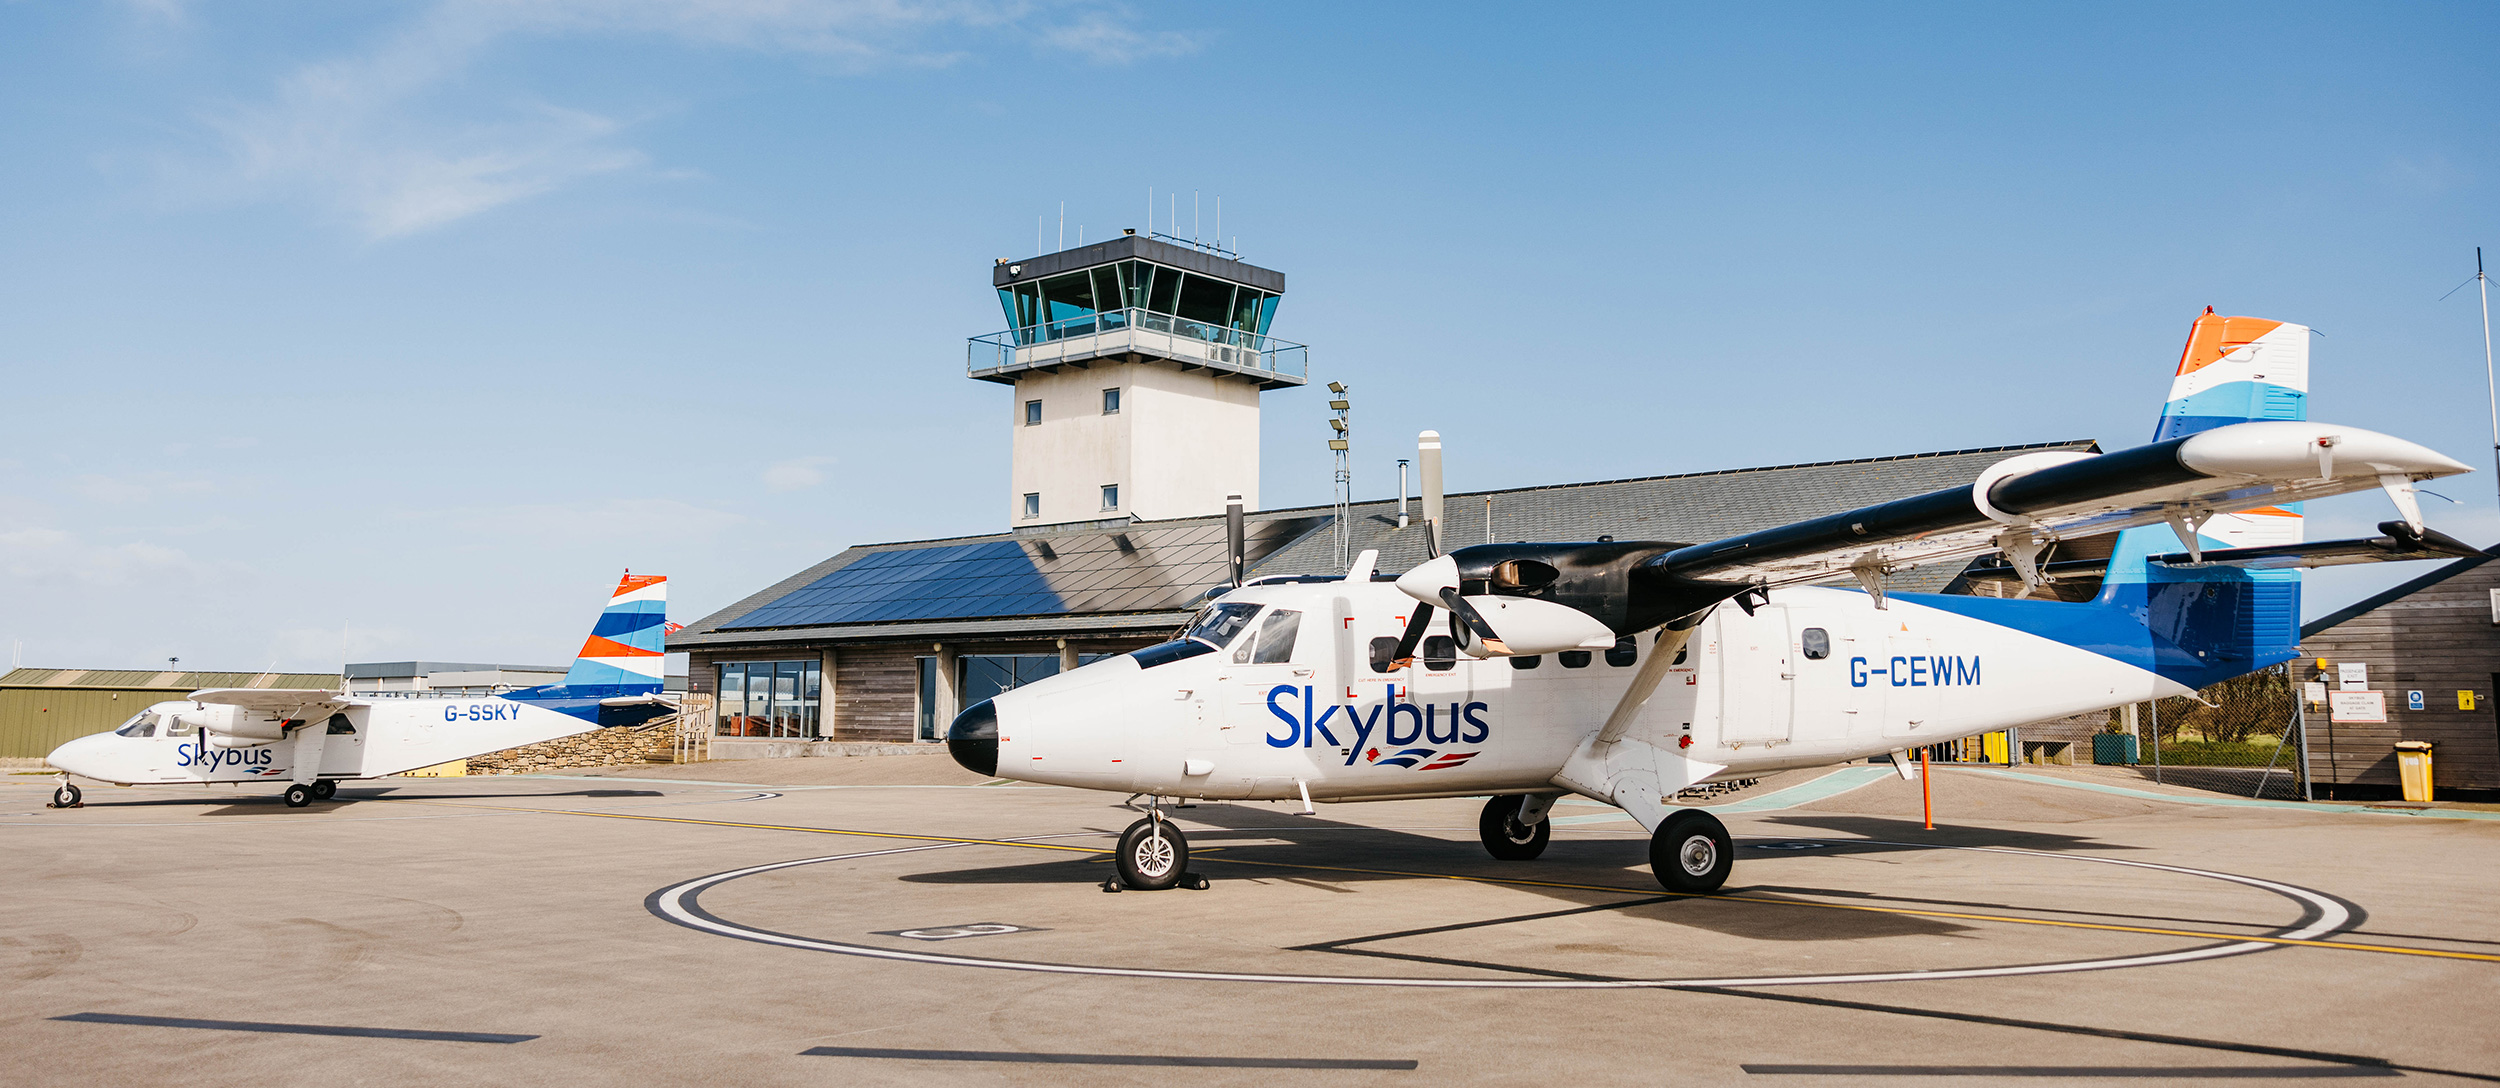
[
  {"x": 1150, "y": 575},
  {"x": 157, "y": 679}
]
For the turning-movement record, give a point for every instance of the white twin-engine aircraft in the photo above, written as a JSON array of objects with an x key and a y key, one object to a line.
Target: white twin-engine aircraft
[
  {"x": 313, "y": 739},
  {"x": 1609, "y": 670}
]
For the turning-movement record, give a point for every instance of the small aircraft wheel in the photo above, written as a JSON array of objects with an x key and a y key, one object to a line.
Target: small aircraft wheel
[
  {"x": 1153, "y": 855},
  {"x": 1508, "y": 839},
  {"x": 65, "y": 797},
  {"x": 1691, "y": 852},
  {"x": 324, "y": 790},
  {"x": 298, "y": 795}
]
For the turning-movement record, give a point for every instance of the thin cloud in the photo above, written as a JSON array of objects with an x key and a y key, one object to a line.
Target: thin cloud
[
  {"x": 370, "y": 138},
  {"x": 796, "y": 474}
]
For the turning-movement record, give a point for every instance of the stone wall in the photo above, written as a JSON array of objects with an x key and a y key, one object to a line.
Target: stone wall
[{"x": 597, "y": 748}]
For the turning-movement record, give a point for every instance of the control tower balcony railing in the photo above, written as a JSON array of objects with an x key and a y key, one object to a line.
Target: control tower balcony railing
[{"x": 1114, "y": 334}]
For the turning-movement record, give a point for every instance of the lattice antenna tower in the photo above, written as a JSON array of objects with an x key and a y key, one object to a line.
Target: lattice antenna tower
[{"x": 1340, "y": 440}]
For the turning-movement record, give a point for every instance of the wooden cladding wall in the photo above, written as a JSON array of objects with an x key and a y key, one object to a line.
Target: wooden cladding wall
[
  {"x": 2439, "y": 641},
  {"x": 876, "y": 691}
]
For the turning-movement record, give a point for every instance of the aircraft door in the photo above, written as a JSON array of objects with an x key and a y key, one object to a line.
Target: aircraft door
[
  {"x": 1262, "y": 661},
  {"x": 1909, "y": 693},
  {"x": 1827, "y": 707},
  {"x": 343, "y": 750},
  {"x": 1757, "y": 676}
]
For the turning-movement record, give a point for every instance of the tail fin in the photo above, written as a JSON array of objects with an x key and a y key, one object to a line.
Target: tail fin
[
  {"x": 627, "y": 646},
  {"x": 2227, "y": 621}
]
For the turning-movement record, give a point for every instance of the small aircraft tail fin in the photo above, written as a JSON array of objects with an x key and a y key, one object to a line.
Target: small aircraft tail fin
[
  {"x": 617, "y": 679},
  {"x": 626, "y": 647},
  {"x": 2232, "y": 620}
]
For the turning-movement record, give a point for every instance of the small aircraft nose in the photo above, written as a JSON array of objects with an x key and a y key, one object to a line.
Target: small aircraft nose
[
  {"x": 72, "y": 757},
  {"x": 973, "y": 739}
]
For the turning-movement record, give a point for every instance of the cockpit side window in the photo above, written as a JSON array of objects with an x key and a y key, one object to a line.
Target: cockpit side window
[
  {"x": 175, "y": 726},
  {"x": 142, "y": 724},
  {"x": 1219, "y": 625},
  {"x": 1276, "y": 637}
]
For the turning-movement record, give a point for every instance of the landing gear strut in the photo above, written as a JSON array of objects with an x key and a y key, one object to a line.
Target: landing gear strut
[
  {"x": 1691, "y": 853},
  {"x": 1510, "y": 831},
  {"x": 1152, "y": 856}
]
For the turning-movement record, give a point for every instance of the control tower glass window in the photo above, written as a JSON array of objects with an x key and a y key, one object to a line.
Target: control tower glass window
[{"x": 1092, "y": 300}]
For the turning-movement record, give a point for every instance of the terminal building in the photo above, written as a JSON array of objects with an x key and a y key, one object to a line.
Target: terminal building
[{"x": 1137, "y": 367}]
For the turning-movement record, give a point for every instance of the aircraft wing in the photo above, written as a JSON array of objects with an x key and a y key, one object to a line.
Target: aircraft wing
[
  {"x": 292, "y": 704},
  {"x": 2046, "y": 496}
]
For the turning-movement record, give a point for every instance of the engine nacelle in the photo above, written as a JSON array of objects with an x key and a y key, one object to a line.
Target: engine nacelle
[{"x": 231, "y": 726}]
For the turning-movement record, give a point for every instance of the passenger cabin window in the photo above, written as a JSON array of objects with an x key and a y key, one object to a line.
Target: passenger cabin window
[
  {"x": 1525, "y": 663},
  {"x": 176, "y": 727},
  {"x": 340, "y": 727},
  {"x": 1384, "y": 651},
  {"x": 1818, "y": 643},
  {"x": 1440, "y": 653},
  {"x": 1573, "y": 659},
  {"x": 1624, "y": 652}
]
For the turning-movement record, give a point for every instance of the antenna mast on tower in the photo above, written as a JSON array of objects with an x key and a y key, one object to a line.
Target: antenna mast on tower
[
  {"x": 2482, "y": 284},
  {"x": 1340, "y": 440}
]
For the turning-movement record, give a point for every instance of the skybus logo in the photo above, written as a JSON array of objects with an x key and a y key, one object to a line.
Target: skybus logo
[
  {"x": 1398, "y": 723},
  {"x": 1924, "y": 671},
  {"x": 186, "y": 755}
]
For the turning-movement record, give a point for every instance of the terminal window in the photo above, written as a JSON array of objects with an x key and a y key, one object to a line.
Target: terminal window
[
  {"x": 769, "y": 699},
  {"x": 1032, "y": 413},
  {"x": 1032, "y": 504},
  {"x": 1110, "y": 496},
  {"x": 1111, "y": 402}
]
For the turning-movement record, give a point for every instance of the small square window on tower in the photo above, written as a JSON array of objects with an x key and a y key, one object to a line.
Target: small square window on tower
[
  {"x": 1111, "y": 401},
  {"x": 1110, "y": 496},
  {"x": 1032, "y": 413},
  {"x": 1032, "y": 504}
]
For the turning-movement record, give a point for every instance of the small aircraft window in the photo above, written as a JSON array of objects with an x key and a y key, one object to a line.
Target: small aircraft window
[
  {"x": 1525, "y": 663},
  {"x": 176, "y": 727},
  {"x": 340, "y": 727},
  {"x": 1818, "y": 643},
  {"x": 1679, "y": 655},
  {"x": 142, "y": 724},
  {"x": 1218, "y": 625},
  {"x": 1164, "y": 653},
  {"x": 1384, "y": 653},
  {"x": 1573, "y": 659},
  {"x": 1276, "y": 636},
  {"x": 1440, "y": 653},
  {"x": 1624, "y": 652}
]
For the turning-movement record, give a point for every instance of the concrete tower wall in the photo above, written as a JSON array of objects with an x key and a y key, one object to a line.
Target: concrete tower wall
[{"x": 1180, "y": 443}]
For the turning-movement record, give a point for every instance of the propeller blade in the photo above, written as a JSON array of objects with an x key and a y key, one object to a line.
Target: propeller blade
[
  {"x": 1414, "y": 636},
  {"x": 1466, "y": 613}
]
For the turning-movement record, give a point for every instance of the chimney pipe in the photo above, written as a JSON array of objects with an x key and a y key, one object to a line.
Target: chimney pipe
[
  {"x": 1428, "y": 462},
  {"x": 1232, "y": 533},
  {"x": 1403, "y": 492}
]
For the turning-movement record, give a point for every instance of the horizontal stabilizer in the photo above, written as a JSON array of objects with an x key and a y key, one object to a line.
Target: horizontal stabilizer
[{"x": 2400, "y": 543}]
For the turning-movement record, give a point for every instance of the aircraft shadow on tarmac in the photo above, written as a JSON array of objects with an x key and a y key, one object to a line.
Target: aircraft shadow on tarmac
[
  {"x": 1277, "y": 845},
  {"x": 270, "y": 804}
]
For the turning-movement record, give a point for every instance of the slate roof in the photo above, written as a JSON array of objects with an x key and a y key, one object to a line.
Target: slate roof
[{"x": 1689, "y": 507}]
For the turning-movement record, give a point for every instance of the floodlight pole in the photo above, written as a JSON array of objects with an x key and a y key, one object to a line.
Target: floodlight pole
[{"x": 2482, "y": 286}]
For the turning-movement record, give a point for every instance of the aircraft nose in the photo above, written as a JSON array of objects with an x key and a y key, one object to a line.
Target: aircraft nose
[
  {"x": 973, "y": 739},
  {"x": 71, "y": 757}
]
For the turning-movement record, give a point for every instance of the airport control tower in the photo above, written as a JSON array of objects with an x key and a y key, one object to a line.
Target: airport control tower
[{"x": 1137, "y": 365}]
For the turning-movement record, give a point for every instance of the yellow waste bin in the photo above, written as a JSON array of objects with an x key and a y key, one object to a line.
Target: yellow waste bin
[{"x": 2413, "y": 768}]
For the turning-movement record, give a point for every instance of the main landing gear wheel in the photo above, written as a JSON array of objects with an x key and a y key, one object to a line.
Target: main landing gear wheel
[
  {"x": 324, "y": 790},
  {"x": 66, "y": 797},
  {"x": 1690, "y": 852},
  {"x": 1508, "y": 839},
  {"x": 1153, "y": 856},
  {"x": 298, "y": 795}
]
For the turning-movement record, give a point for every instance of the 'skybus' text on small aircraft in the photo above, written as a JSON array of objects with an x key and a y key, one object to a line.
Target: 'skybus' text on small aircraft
[
  {"x": 314, "y": 739},
  {"x": 1478, "y": 671}
]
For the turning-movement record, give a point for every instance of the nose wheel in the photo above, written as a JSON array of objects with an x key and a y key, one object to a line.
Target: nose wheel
[
  {"x": 67, "y": 796},
  {"x": 1153, "y": 855}
]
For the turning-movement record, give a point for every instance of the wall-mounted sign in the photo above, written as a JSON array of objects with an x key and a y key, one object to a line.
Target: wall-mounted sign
[
  {"x": 2413, "y": 700},
  {"x": 2465, "y": 700},
  {"x": 2354, "y": 674},
  {"x": 2357, "y": 706},
  {"x": 2313, "y": 692}
]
